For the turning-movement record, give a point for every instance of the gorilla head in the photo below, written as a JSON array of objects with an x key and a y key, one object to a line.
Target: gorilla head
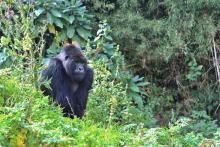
[
  {"x": 71, "y": 80},
  {"x": 74, "y": 62}
]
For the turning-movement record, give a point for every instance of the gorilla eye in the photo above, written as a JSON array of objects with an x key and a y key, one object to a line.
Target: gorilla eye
[{"x": 66, "y": 57}]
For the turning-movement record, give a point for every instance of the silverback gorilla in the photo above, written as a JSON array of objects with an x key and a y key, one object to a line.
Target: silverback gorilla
[{"x": 71, "y": 80}]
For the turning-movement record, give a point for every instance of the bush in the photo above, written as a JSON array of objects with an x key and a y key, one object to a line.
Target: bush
[
  {"x": 27, "y": 119},
  {"x": 170, "y": 43},
  {"x": 128, "y": 100}
]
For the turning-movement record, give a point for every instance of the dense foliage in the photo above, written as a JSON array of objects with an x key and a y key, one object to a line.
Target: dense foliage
[
  {"x": 157, "y": 87},
  {"x": 174, "y": 44}
]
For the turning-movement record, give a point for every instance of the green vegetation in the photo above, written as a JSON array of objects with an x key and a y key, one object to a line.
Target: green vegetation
[
  {"x": 172, "y": 44},
  {"x": 156, "y": 69}
]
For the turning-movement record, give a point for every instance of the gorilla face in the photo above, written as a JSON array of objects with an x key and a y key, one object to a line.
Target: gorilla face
[
  {"x": 75, "y": 70},
  {"x": 74, "y": 63}
]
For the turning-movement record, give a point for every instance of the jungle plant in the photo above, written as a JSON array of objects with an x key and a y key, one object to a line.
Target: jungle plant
[
  {"x": 107, "y": 52},
  {"x": 68, "y": 18}
]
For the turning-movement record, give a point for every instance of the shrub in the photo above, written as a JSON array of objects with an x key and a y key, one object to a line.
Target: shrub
[{"x": 27, "y": 118}]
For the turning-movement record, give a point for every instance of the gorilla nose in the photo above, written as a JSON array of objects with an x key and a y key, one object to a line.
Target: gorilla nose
[{"x": 81, "y": 69}]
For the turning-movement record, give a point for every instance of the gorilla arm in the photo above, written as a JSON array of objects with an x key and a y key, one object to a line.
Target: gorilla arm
[
  {"x": 53, "y": 71},
  {"x": 81, "y": 95},
  {"x": 46, "y": 75}
]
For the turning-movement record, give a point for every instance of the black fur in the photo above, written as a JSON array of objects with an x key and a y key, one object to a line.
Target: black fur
[{"x": 69, "y": 87}]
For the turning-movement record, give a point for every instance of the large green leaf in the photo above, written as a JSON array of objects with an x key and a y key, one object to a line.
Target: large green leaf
[
  {"x": 70, "y": 19},
  {"x": 3, "y": 57},
  {"x": 87, "y": 27},
  {"x": 70, "y": 32},
  {"x": 51, "y": 29},
  {"x": 137, "y": 78},
  {"x": 63, "y": 35},
  {"x": 59, "y": 23},
  {"x": 82, "y": 19},
  {"x": 50, "y": 18},
  {"x": 143, "y": 83},
  {"x": 5, "y": 60},
  {"x": 76, "y": 38},
  {"x": 78, "y": 3},
  {"x": 39, "y": 11},
  {"x": 56, "y": 13},
  {"x": 134, "y": 88},
  {"x": 83, "y": 33},
  {"x": 137, "y": 99}
]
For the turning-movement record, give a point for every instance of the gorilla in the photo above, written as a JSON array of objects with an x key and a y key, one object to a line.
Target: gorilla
[{"x": 71, "y": 79}]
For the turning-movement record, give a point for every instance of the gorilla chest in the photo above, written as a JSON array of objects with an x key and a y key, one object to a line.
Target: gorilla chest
[{"x": 74, "y": 87}]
